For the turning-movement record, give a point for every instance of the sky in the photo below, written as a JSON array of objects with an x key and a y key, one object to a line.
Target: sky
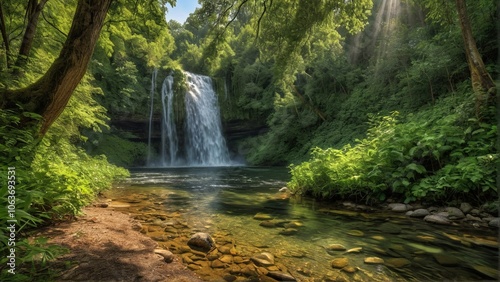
[{"x": 182, "y": 10}]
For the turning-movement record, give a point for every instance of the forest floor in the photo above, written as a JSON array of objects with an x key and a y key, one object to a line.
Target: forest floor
[{"x": 104, "y": 245}]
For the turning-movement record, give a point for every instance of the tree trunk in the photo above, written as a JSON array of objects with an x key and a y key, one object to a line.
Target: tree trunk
[
  {"x": 32, "y": 14},
  {"x": 49, "y": 95},
  {"x": 4, "y": 37},
  {"x": 482, "y": 83}
]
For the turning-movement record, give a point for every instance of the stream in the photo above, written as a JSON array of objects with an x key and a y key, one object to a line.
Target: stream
[{"x": 243, "y": 208}]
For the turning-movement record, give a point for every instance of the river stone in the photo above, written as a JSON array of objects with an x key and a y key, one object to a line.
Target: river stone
[
  {"x": 373, "y": 260},
  {"x": 446, "y": 260},
  {"x": 226, "y": 258},
  {"x": 420, "y": 213},
  {"x": 355, "y": 250},
  {"x": 470, "y": 217},
  {"x": 397, "y": 262},
  {"x": 350, "y": 269},
  {"x": 263, "y": 259},
  {"x": 357, "y": 233},
  {"x": 465, "y": 207},
  {"x": 475, "y": 212},
  {"x": 438, "y": 219},
  {"x": 454, "y": 213},
  {"x": 281, "y": 276},
  {"x": 340, "y": 262},
  {"x": 288, "y": 231},
  {"x": 336, "y": 247},
  {"x": 168, "y": 256},
  {"x": 495, "y": 222},
  {"x": 396, "y": 207},
  {"x": 293, "y": 224},
  {"x": 229, "y": 278},
  {"x": 201, "y": 241},
  {"x": 268, "y": 223},
  {"x": 218, "y": 264},
  {"x": 262, "y": 216}
]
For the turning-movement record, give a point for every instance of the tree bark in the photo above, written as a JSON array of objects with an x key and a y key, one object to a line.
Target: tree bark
[
  {"x": 482, "y": 83},
  {"x": 50, "y": 94},
  {"x": 32, "y": 14},
  {"x": 4, "y": 37}
]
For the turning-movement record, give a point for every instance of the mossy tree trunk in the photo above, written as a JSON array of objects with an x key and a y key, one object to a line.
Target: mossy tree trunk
[
  {"x": 50, "y": 94},
  {"x": 482, "y": 83}
]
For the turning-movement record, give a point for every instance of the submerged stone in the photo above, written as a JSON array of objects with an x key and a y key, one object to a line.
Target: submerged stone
[
  {"x": 373, "y": 260},
  {"x": 201, "y": 241},
  {"x": 340, "y": 262},
  {"x": 263, "y": 259},
  {"x": 397, "y": 262},
  {"x": 281, "y": 276},
  {"x": 262, "y": 216},
  {"x": 336, "y": 247},
  {"x": 446, "y": 260},
  {"x": 357, "y": 233}
]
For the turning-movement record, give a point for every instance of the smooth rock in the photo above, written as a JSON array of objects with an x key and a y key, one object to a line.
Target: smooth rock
[
  {"x": 355, "y": 250},
  {"x": 281, "y": 276},
  {"x": 495, "y": 222},
  {"x": 263, "y": 259},
  {"x": 470, "y": 217},
  {"x": 288, "y": 231},
  {"x": 397, "y": 262},
  {"x": 336, "y": 247},
  {"x": 475, "y": 212},
  {"x": 262, "y": 216},
  {"x": 420, "y": 213},
  {"x": 350, "y": 269},
  {"x": 454, "y": 213},
  {"x": 373, "y": 260},
  {"x": 438, "y": 219},
  {"x": 201, "y": 241},
  {"x": 226, "y": 259},
  {"x": 218, "y": 264},
  {"x": 396, "y": 207},
  {"x": 168, "y": 256},
  {"x": 465, "y": 207},
  {"x": 446, "y": 260},
  {"x": 340, "y": 262},
  {"x": 268, "y": 224},
  {"x": 357, "y": 233}
]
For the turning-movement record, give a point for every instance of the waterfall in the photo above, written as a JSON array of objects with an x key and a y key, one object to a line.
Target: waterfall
[
  {"x": 152, "y": 94},
  {"x": 204, "y": 142},
  {"x": 168, "y": 131}
]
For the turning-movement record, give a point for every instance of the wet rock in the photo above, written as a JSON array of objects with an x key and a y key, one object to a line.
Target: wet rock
[
  {"x": 289, "y": 231},
  {"x": 350, "y": 269},
  {"x": 168, "y": 256},
  {"x": 355, "y": 250},
  {"x": 475, "y": 212},
  {"x": 268, "y": 224},
  {"x": 357, "y": 233},
  {"x": 201, "y": 242},
  {"x": 340, "y": 262},
  {"x": 226, "y": 259},
  {"x": 336, "y": 247},
  {"x": 281, "y": 276},
  {"x": 409, "y": 213},
  {"x": 495, "y": 222},
  {"x": 470, "y": 217},
  {"x": 229, "y": 278},
  {"x": 263, "y": 259},
  {"x": 438, "y": 219},
  {"x": 397, "y": 207},
  {"x": 249, "y": 270},
  {"x": 454, "y": 213},
  {"x": 262, "y": 216},
  {"x": 465, "y": 207},
  {"x": 420, "y": 213},
  {"x": 373, "y": 260},
  {"x": 397, "y": 262},
  {"x": 218, "y": 264},
  {"x": 293, "y": 224},
  {"x": 239, "y": 260},
  {"x": 446, "y": 260}
]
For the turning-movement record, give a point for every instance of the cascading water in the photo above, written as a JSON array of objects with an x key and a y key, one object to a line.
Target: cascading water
[
  {"x": 152, "y": 94},
  {"x": 205, "y": 144},
  {"x": 168, "y": 132}
]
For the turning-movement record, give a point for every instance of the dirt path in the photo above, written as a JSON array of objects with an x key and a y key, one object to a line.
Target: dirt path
[{"x": 103, "y": 246}]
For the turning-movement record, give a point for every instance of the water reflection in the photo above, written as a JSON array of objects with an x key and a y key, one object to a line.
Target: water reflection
[{"x": 299, "y": 231}]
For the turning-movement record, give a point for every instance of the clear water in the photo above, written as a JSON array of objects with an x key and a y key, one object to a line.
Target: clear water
[{"x": 225, "y": 200}]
